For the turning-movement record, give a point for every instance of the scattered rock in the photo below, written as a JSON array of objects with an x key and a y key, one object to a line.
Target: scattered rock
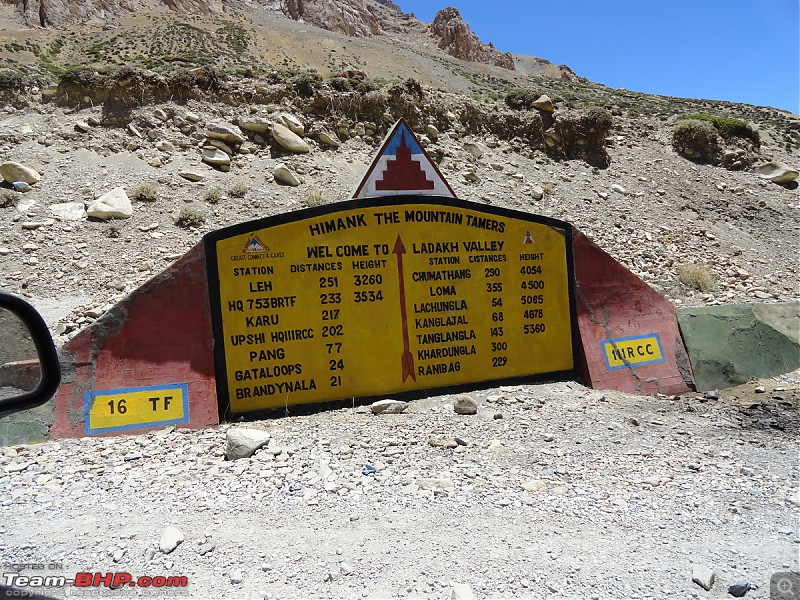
[
  {"x": 544, "y": 103},
  {"x": 170, "y": 539},
  {"x": 462, "y": 591},
  {"x": 258, "y": 125},
  {"x": 292, "y": 123},
  {"x": 242, "y": 442},
  {"x": 14, "y": 171},
  {"x": 476, "y": 150},
  {"x": 776, "y": 172},
  {"x": 282, "y": 174},
  {"x": 289, "y": 140},
  {"x": 426, "y": 483},
  {"x": 225, "y": 132},
  {"x": 740, "y": 587},
  {"x": 21, "y": 186},
  {"x": 114, "y": 204},
  {"x": 703, "y": 576},
  {"x": 388, "y": 407},
  {"x": 192, "y": 174},
  {"x": 329, "y": 139},
  {"x": 432, "y": 132},
  {"x": 534, "y": 485},
  {"x": 165, "y": 146},
  {"x": 465, "y": 405},
  {"x": 215, "y": 156}
]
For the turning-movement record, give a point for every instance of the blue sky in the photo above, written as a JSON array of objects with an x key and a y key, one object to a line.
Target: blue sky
[{"x": 739, "y": 50}]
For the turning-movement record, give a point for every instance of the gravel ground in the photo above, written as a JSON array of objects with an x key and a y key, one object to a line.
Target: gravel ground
[{"x": 549, "y": 491}]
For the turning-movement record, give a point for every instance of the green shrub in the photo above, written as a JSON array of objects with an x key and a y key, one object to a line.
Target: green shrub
[
  {"x": 305, "y": 83},
  {"x": 727, "y": 127},
  {"x": 213, "y": 195},
  {"x": 696, "y": 139},
  {"x": 145, "y": 192},
  {"x": 364, "y": 87},
  {"x": 697, "y": 277},
  {"x": 519, "y": 98},
  {"x": 238, "y": 189},
  {"x": 341, "y": 84},
  {"x": 8, "y": 198},
  {"x": 189, "y": 216}
]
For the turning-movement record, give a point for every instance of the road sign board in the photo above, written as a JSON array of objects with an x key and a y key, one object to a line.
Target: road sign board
[
  {"x": 387, "y": 296},
  {"x": 402, "y": 167},
  {"x": 124, "y": 409}
]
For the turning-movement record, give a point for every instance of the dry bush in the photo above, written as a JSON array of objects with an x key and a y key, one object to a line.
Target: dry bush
[
  {"x": 238, "y": 189},
  {"x": 8, "y": 198},
  {"x": 189, "y": 216},
  {"x": 315, "y": 198},
  {"x": 213, "y": 195},
  {"x": 698, "y": 277},
  {"x": 145, "y": 192}
]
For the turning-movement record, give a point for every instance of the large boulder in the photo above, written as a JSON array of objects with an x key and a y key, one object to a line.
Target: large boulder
[
  {"x": 258, "y": 125},
  {"x": 728, "y": 345},
  {"x": 215, "y": 156},
  {"x": 282, "y": 174},
  {"x": 776, "y": 172},
  {"x": 292, "y": 123},
  {"x": 225, "y": 132},
  {"x": 289, "y": 140},
  {"x": 114, "y": 204},
  {"x": 13, "y": 171}
]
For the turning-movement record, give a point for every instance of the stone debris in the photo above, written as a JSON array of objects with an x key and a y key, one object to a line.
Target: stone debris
[
  {"x": 544, "y": 103},
  {"x": 215, "y": 156},
  {"x": 192, "y": 174},
  {"x": 289, "y": 140},
  {"x": 242, "y": 442},
  {"x": 69, "y": 211},
  {"x": 283, "y": 174},
  {"x": 462, "y": 591},
  {"x": 171, "y": 538},
  {"x": 465, "y": 405},
  {"x": 776, "y": 172},
  {"x": 388, "y": 407},
  {"x": 703, "y": 576},
  {"x": 255, "y": 124},
  {"x": 225, "y": 132},
  {"x": 114, "y": 204},
  {"x": 740, "y": 587},
  {"x": 12, "y": 171}
]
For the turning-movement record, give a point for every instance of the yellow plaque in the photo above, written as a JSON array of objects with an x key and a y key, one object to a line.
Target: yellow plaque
[
  {"x": 387, "y": 296},
  {"x": 107, "y": 411},
  {"x": 636, "y": 350}
]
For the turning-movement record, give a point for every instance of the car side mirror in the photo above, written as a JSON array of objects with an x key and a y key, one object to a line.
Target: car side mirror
[{"x": 29, "y": 369}]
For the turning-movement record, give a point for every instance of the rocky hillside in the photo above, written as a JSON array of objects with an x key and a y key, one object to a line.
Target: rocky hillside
[{"x": 139, "y": 103}]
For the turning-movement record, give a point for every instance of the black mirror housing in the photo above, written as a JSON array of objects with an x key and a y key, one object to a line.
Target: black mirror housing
[{"x": 49, "y": 378}]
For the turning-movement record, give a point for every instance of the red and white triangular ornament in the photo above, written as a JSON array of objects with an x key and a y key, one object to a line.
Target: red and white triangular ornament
[{"x": 402, "y": 167}]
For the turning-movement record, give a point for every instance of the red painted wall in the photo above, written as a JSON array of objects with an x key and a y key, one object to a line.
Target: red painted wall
[
  {"x": 613, "y": 303},
  {"x": 157, "y": 336}
]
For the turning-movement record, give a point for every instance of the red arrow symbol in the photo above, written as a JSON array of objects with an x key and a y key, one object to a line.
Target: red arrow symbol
[{"x": 407, "y": 359}]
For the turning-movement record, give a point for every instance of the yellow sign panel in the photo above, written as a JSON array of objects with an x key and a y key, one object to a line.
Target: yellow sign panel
[
  {"x": 637, "y": 350},
  {"x": 388, "y": 297},
  {"x": 107, "y": 411}
]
